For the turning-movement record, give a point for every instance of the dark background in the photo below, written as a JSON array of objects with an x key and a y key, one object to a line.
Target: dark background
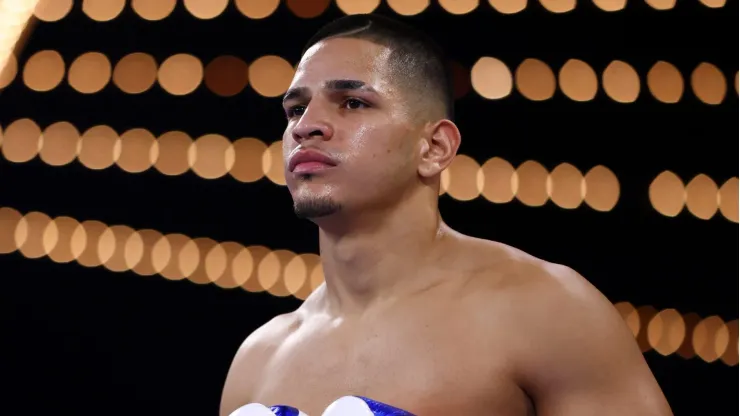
[{"x": 89, "y": 341}]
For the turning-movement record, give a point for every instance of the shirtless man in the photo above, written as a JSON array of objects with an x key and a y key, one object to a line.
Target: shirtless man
[{"x": 412, "y": 313}]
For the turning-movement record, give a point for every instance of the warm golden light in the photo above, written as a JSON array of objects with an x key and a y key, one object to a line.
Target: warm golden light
[
  {"x": 29, "y": 234},
  {"x": 621, "y": 82},
  {"x": 9, "y": 220},
  {"x": 272, "y": 163},
  {"x": 279, "y": 288},
  {"x": 226, "y": 75},
  {"x": 283, "y": 273},
  {"x": 206, "y": 9},
  {"x": 565, "y": 186},
  {"x": 730, "y": 357},
  {"x": 295, "y": 275},
  {"x": 686, "y": 349},
  {"x": 704, "y": 339},
  {"x": 60, "y": 144},
  {"x": 307, "y": 9},
  {"x": 135, "y": 73},
  {"x": 661, "y": 4},
  {"x": 708, "y": 83},
  {"x": 52, "y": 10},
  {"x": 601, "y": 189},
  {"x": 90, "y": 73},
  {"x": 137, "y": 147},
  {"x": 630, "y": 316},
  {"x": 665, "y": 82},
  {"x": 112, "y": 247},
  {"x": 21, "y": 141},
  {"x": 491, "y": 78},
  {"x": 141, "y": 245},
  {"x": 558, "y": 6},
  {"x": 166, "y": 256},
  {"x": 85, "y": 242},
  {"x": 463, "y": 184},
  {"x": 532, "y": 188},
  {"x": 99, "y": 147},
  {"x": 408, "y": 7},
  {"x": 103, "y": 10},
  {"x": 646, "y": 314},
  {"x": 610, "y": 5},
  {"x": 268, "y": 270},
  {"x": 666, "y": 331},
  {"x": 173, "y": 152},
  {"x": 180, "y": 74},
  {"x": 714, "y": 4},
  {"x": 727, "y": 199},
  {"x": 43, "y": 71},
  {"x": 270, "y": 76},
  {"x": 257, "y": 9},
  {"x": 535, "y": 80},
  {"x": 246, "y": 264},
  {"x": 239, "y": 265},
  {"x": 211, "y": 156},
  {"x": 499, "y": 180},
  {"x": 153, "y": 10},
  {"x": 459, "y": 6},
  {"x": 701, "y": 197},
  {"x": 578, "y": 80},
  {"x": 9, "y": 71},
  {"x": 667, "y": 194},
  {"x": 508, "y": 6},
  {"x": 357, "y": 6},
  {"x": 192, "y": 259},
  {"x": 248, "y": 159}
]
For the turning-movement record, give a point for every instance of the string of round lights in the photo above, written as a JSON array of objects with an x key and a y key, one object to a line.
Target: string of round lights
[
  {"x": 155, "y": 10},
  {"x": 213, "y": 156},
  {"x": 230, "y": 265},
  {"x": 270, "y": 76}
]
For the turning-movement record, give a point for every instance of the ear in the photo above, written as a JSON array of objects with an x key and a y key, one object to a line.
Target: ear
[{"x": 439, "y": 148}]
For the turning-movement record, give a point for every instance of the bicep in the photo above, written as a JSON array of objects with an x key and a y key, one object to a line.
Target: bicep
[
  {"x": 247, "y": 366},
  {"x": 589, "y": 363},
  {"x": 237, "y": 387}
]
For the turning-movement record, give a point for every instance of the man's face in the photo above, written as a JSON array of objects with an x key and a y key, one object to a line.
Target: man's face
[{"x": 343, "y": 105}]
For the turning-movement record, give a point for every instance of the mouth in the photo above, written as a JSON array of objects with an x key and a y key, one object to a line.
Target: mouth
[{"x": 310, "y": 161}]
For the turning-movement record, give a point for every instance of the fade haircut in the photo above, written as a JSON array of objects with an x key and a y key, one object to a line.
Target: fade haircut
[{"x": 416, "y": 62}]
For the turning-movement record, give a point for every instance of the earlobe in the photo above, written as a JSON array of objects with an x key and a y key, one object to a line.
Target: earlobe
[{"x": 439, "y": 148}]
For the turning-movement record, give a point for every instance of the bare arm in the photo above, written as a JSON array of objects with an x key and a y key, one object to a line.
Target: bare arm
[
  {"x": 582, "y": 359},
  {"x": 248, "y": 364}
]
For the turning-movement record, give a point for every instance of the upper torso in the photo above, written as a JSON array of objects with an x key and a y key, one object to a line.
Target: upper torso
[
  {"x": 425, "y": 362},
  {"x": 424, "y": 354}
]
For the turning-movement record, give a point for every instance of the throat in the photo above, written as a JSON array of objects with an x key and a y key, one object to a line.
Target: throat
[{"x": 362, "y": 271}]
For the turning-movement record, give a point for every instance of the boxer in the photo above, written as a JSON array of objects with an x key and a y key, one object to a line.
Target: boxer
[{"x": 413, "y": 313}]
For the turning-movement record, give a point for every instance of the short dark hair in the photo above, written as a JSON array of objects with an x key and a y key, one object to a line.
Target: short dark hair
[{"x": 415, "y": 58}]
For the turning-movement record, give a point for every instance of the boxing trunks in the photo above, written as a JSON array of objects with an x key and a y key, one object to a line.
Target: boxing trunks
[{"x": 345, "y": 406}]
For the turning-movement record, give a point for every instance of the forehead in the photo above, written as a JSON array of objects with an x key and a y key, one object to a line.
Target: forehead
[{"x": 344, "y": 58}]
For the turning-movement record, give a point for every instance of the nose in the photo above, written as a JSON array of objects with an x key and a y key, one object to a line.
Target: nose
[{"x": 312, "y": 126}]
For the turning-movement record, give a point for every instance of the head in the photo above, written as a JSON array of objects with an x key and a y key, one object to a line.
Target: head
[{"x": 373, "y": 98}]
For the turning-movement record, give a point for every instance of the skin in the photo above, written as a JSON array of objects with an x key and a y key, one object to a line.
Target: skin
[{"x": 413, "y": 313}]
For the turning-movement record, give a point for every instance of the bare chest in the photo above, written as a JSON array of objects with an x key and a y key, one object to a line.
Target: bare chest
[{"x": 427, "y": 368}]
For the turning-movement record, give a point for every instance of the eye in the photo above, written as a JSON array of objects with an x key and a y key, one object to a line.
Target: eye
[
  {"x": 295, "y": 111},
  {"x": 354, "y": 104}
]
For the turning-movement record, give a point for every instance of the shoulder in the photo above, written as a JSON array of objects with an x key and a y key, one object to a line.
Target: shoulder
[
  {"x": 249, "y": 359},
  {"x": 565, "y": 338},
  {"x": 552, "y": 300}
]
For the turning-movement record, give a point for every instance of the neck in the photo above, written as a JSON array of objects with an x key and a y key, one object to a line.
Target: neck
[{"x": 376, "y": 256}]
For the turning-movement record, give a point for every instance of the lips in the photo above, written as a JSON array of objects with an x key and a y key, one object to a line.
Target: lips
[{"x": 309, "y": 160}]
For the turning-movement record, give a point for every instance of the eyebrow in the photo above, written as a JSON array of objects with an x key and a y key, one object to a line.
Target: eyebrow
[{"x": 334, "y": 85}]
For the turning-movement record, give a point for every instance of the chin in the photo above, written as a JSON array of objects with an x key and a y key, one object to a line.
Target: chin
[{"x": 315, "y": 207}]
